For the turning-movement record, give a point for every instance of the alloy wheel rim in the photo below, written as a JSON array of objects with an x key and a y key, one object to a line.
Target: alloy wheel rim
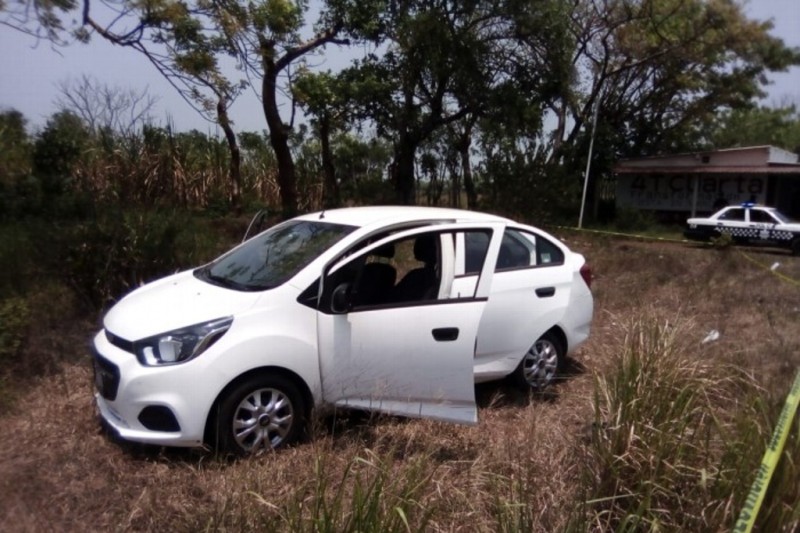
[
  {"x": 263, "y": 419},
  {"x": 540, "y": 364}
]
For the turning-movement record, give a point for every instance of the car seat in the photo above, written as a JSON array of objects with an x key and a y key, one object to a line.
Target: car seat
[
  {"x": 421, "y": 283},
  {"x": 377, "y": 279}
]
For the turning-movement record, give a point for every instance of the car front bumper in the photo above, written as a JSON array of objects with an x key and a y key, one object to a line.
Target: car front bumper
[{"x": 164, "y": 406}]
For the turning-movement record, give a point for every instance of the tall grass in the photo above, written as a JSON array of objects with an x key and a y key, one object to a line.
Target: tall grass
[
  {"x": 677, "y": 437},
  {"x": 369, "y": 493}
]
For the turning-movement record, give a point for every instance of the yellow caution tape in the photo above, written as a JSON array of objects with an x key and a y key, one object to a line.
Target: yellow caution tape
[
  {"x": 747, "y": 517},
  {"x": 774, "y": 272},
  {"x": 683, "y": 241},
  {"x": 620, "y": 234}
]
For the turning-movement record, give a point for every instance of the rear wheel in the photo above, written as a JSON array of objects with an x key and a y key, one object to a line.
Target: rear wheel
[
  {"x": 261, "y": 413},
  {"x": 796, "y": 246},
  {"x": 541, "y": 363}
]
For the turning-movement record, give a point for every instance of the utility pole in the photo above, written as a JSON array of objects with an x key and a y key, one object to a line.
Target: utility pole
[{"x": 588, "y": 162}]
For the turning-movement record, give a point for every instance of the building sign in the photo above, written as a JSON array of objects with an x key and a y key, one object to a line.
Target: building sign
[{"x": 675, "y": 192}]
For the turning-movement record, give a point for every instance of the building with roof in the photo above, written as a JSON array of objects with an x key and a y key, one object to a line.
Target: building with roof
[{"x": 702, "y": 182}]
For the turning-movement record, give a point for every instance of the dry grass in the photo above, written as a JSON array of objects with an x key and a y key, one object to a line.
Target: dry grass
[{"x": 525, "y": 467}]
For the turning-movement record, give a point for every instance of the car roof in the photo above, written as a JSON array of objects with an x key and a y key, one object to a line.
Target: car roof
[
  {"x": 748, "y": 205},
  {"x": 389, "y": 214}
]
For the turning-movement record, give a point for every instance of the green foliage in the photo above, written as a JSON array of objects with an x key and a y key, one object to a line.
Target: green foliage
[
  {"x": 758, "y": 126},
  {"x": 57, "y": 153},
  {"x": 14, "y": 320},
  {"x": 529, "y": 188},
  {"x": 15, "y": 148},
  {"x": 627, "y": 219},
  {"x": 104, "y": 258},
  {"x": 723, "y": 241}
]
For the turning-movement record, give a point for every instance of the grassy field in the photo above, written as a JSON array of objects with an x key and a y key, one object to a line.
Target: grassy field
[{"x": 651, "y": 429}]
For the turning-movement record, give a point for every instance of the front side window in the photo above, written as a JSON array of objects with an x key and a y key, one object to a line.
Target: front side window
[
  {"x": 735, "y": 214},
  {"x": 273, "y": 257}
]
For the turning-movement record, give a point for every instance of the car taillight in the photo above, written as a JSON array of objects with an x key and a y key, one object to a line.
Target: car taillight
[{"x": 586, "y": 274}]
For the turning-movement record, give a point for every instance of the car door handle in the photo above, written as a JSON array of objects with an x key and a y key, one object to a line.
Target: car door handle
[
  {"x": 445, "y": 334},
  {"x": 545, "y": 292}
]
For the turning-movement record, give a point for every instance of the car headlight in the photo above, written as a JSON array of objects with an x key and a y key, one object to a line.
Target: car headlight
[{"x": 180, "y": 345}]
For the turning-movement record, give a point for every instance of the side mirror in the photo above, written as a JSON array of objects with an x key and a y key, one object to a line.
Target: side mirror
[{"x": 340, "y": 299}]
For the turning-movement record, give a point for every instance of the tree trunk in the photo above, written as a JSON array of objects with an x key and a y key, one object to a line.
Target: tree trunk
[
  {"x": 279, "y": 140},
  {"x": 403, "y": 170},
  {"x": 234, "y": 169},
  {"x": 466, "y": 167},
  {"x": 330, "y": 186}
]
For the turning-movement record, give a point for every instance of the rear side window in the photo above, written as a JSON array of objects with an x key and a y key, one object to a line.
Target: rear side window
[
  {"x": 548, "y": 253},
  {"x": 518, "y": 249},
  {"x": 476, "y": 244},
  {"x": 756, "y": 215}
]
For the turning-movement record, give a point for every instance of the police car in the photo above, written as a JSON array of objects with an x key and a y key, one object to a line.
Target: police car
[{"x": 748, "y": 224}]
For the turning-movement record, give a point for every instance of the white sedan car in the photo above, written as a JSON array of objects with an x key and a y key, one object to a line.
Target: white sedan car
[{"x": 392, "y": 309}]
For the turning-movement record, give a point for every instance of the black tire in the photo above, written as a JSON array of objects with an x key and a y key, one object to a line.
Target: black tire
[
  {"x": 263, "y": 412},
  {"x": 796, "y": 246},
  {"x": 542, "y": 363}
]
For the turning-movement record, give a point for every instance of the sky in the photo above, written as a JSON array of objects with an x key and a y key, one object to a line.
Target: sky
[{"x": 32, "y": 72}]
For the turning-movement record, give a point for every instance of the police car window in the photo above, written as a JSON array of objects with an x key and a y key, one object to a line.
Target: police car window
[
  {"x": 733, "y": 215},
  {"x": 756, "y": 215}
]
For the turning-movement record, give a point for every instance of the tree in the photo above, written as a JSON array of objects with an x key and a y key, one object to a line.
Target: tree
[
  {"x": 58, "y": 151},
  {"x": 186, "y": 42},
  {"x": 15, "y": 148},
  {"x": 41, "y": 19},
  {"x": 104, "y": 107},
  {"x": 433, "y": 73},
  {"x": 661, "y": 69},
  {"x": 174, "y": 41},
  {"x": 758, "y": 126}
]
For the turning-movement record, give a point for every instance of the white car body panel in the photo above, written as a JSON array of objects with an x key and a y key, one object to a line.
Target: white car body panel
[{"x": 173, "y": 302}]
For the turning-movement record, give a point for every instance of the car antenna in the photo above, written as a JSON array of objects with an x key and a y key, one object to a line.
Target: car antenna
[{"x": 322, "y": 214}]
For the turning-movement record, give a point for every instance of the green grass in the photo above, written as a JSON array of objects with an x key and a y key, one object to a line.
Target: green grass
[{"x": 676, "y": 439}]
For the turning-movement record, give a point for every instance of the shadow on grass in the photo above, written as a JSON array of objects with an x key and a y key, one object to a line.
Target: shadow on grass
[{"x": 506, "y": 393}]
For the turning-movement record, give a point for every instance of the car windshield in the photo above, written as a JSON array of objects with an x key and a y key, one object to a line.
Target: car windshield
[{"x": 271, "y": 258}]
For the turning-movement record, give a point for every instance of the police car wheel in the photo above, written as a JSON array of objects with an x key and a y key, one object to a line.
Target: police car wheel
[{"x": 796, "y": 246}]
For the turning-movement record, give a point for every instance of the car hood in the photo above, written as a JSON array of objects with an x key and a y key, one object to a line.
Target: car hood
[{"x": 173, "y": 302}]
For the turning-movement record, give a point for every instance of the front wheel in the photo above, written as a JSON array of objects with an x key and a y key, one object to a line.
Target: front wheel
[
  {"x": 541, "y": 363},
  {"x": 261, "y": 413},
  {"x": 796, "y": 246}
]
